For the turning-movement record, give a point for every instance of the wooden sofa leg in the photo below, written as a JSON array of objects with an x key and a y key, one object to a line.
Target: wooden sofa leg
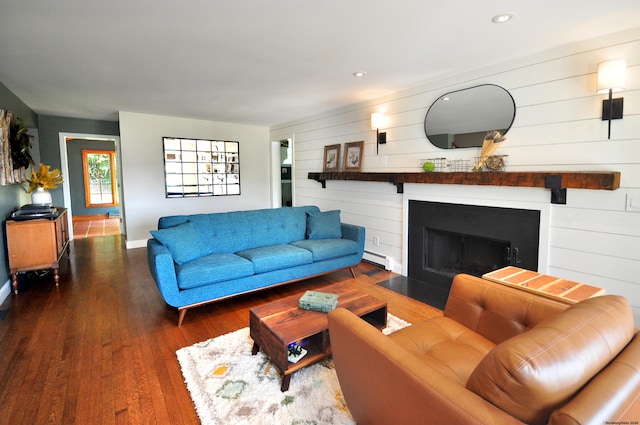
[
  {"x": 353, "y": 271},
  {"x": 183, "y": 312}
]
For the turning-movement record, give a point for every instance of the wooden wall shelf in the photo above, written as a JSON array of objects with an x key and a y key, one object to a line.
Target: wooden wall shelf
[{"x": 557, "y": 181}]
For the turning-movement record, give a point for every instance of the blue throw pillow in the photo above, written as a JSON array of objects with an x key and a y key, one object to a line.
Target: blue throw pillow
[
  {"x": 183, "y": 242},
  {"x": 324, "y": 225}
]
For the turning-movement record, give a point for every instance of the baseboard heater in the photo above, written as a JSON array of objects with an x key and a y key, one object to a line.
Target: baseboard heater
[{"x": 376, "y": 258}]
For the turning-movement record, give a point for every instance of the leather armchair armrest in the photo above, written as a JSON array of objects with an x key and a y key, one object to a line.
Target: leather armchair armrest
[{"x": 383, "y": 383}]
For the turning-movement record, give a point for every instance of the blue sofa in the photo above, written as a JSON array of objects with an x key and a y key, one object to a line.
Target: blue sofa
[{"x": 200, "y": 258}]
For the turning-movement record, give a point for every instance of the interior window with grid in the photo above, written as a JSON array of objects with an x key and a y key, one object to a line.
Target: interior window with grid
[{"x": 196, "y": 167}]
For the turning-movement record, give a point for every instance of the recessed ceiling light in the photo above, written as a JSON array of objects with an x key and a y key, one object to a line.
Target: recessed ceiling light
[
  {"x": 359, "y": 74},
  {"x": 502, "y": 18}
]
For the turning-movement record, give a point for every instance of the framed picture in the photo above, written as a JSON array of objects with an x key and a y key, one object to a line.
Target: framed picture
[
  {"x": 331, "y": 158},
  {"x": 353, "y": 156}
]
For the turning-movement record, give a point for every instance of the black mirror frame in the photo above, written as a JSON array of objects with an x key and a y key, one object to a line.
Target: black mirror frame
[{"x": 465, "y": 89}]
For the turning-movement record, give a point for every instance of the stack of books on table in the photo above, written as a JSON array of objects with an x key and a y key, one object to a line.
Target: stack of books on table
[{"x": 318, "y": 301}]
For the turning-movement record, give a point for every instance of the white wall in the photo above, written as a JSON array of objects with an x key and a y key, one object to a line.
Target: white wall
[
  {"x": 593, "y": 238},
  {"x": 141, "y": 154}
]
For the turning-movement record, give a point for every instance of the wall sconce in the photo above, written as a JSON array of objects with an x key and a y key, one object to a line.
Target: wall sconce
[
  {"x": 377, "y": 121},
  {"x": 611, "y": 78}
]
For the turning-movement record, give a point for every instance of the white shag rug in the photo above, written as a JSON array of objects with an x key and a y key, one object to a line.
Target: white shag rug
[{"x": 230, "y": 386}]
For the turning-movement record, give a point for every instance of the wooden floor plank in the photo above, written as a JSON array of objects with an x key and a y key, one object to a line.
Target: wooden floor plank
[{"x": 100, "y": 348}]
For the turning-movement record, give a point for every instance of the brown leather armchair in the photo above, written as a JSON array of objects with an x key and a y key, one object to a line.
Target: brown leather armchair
[{"x": 498, "y": 355}]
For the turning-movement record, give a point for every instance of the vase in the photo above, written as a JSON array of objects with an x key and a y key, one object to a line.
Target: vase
[{"x": 41, "y": 197}]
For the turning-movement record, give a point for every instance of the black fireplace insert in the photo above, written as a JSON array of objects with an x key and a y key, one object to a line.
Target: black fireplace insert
[{"x": 447, "y": 239}]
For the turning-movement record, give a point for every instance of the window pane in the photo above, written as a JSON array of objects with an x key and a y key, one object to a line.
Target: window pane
[
  {"x": 198, "y": 167},
  {"x": 99, "y": 169}
]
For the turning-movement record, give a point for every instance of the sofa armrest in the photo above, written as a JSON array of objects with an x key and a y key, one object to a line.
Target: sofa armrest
[
  {"x": 495, "y": 311},
  {"x": 163, "y": 271},
  {"x": 383, "y": 383},
  {"x": 355, "y": 233}
]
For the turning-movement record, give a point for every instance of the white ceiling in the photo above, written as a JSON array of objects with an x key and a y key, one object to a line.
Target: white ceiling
[{"x": 267, "y": 62}]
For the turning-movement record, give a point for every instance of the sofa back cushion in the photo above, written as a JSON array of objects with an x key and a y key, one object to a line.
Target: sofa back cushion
[
  {"x": 533, "y": 374},
  {"x": 235, "y": 231},
  {"x": 324, "y": 225},
  {"x": 183, "y": 241}
]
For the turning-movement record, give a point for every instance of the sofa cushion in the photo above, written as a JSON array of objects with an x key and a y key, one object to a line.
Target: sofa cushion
[
  {"x": 276, "y": 257},
  {"x": 326, "y": 249},
  {"x": 239, "y": 230},
  {"x": 453, "y": 349},
  {"x": 183, "y": 242},
  {"x": 324, "y": 225},
  {"x": 532, "y": 374},
  {"x": 212, "y": 269}
]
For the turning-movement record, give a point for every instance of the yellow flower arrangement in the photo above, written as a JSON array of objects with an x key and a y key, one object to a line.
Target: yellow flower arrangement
[{"x": 44, "y": 178}]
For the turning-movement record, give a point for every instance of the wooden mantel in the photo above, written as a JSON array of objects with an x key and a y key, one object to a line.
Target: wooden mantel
[{"x": 557, "y": 181}]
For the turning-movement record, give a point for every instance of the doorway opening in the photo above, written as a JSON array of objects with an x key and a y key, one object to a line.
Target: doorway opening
[
  {"x": 282, "y": 187},
  {"x": 104, "y": 216}
]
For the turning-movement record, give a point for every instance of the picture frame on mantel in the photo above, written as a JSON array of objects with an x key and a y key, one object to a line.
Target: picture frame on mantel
[
  {"x": 331, "y": 158},
  {"x": 353, "y": 156}
]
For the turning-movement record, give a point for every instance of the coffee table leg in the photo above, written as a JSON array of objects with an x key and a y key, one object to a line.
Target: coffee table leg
[
  {"x": 285, "y": 382},
  {"x": 255, "y": 349}
]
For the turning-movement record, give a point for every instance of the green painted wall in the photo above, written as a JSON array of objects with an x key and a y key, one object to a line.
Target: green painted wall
[
  {"x": 13, "y": 196},
  {"x": 49, "y": 129}
]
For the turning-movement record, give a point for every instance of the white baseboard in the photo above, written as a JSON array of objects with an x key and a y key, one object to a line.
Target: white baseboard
[
  {"x": 5, "y": 291},
  {"x": 375, "y": 258},
  {"x": 389, "y": 263},
  {"x": 142, "y": 243}
]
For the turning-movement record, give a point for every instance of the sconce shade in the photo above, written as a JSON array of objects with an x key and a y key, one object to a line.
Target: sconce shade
[
  {"x": 377, "y": 120},
  {"x": 612, "y": 75}
]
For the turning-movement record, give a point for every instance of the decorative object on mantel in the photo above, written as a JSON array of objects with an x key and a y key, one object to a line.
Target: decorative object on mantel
[
  {"x": 489, "y": 146},
  {"x": 41, "y": 181},
  {"x": 496, "y": 162},
  {"x": 331, "y": 158},
  {"x": 458, "y": 165},
  {"x": 492, "y": 163},
  {"x": 14, "y": 149},
  {"x": 353, "y": 156},
  {"x": 437, "y": 165},
  {"x": 441, "y": 165}
]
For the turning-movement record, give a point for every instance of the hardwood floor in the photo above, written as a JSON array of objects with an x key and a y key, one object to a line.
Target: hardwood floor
[{"x": 100, "y": 348}]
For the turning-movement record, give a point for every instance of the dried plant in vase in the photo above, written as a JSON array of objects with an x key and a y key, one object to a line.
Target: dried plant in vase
[
  {"x": 491, "y": 142},
  {"x": 44, "y": 178},
  {"x": 41, "y": 181}
]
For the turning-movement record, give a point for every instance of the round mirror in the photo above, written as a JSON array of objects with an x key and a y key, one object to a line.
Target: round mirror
[{"x": 461, "y": 118}]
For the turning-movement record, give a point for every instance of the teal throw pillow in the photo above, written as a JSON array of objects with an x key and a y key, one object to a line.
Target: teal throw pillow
[
  {"x": 183, "y": 242},
  {"x": 324, "y": 225}
]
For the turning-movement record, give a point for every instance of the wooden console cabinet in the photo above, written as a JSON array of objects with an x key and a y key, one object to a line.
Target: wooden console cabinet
[{"x": 37, "y": 244}]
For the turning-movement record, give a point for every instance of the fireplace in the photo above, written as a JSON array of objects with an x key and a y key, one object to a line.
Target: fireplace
[{"x": 447, "y": 239}]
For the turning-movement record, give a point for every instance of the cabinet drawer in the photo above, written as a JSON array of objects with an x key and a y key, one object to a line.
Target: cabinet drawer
[{"x": 31, "y": 243}]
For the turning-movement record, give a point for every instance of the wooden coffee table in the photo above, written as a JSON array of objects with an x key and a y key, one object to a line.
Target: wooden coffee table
[{"x": 273, "y": 326}]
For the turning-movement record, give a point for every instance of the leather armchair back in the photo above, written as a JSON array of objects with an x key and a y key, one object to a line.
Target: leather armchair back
[{"x": 495, "y": 311}]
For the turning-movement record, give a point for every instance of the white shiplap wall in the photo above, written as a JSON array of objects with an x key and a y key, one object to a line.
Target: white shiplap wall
[{"x": 594, "y": 238}]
